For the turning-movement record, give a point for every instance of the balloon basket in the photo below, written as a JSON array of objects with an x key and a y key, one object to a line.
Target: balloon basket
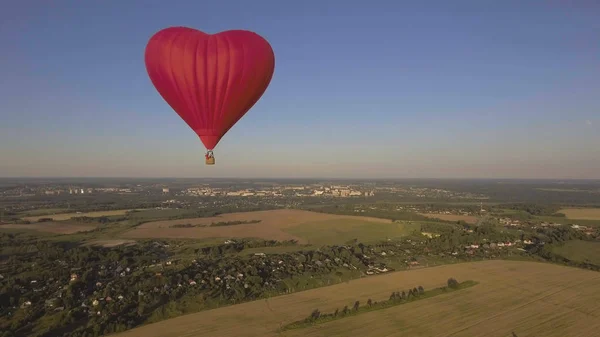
[{"x": 210, "y": 161}]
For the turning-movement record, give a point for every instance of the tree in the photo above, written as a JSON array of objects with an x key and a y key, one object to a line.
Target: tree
[
  {"x": 356, "y": 305},
  {"x": 369, "y": 302},
  {"x": 346, "y": 310},
  {"x": 452, "y": 283},
  {"x": 403, "y": 295},
  {"x": 315, "y": 315},
  {"x": 336, "y": 312},
  {"x": 421, "y": 290}
]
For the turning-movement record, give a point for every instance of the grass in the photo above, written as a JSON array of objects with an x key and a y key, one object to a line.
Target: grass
[
  {"x": 339, "y": 231},
  {"x": 323, "y": 318},
  {"x": 579, "y": 251},
  {"x": 529, "y": 298},
  {"x": 44, "y": 211},
  {"x": 153, "y": 214},
  {"x": 452, "y": 217},
  {"x": 61, "y": 227},
  {"x": 67, "y": 216}
]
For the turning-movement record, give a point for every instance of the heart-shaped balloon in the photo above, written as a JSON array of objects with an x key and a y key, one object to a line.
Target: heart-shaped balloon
[{"x": 210, "y": 80}]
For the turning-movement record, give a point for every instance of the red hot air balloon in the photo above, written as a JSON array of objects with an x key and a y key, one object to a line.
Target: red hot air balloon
[{"x": 210, "y": 80}]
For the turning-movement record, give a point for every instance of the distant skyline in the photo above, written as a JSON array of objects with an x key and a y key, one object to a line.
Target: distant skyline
[{"x": 438, "y": 89}]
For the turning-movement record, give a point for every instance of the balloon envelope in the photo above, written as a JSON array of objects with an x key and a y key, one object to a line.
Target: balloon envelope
[{"x": 210, "y": 80}]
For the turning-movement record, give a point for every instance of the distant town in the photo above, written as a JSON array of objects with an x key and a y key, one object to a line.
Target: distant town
[{"x": 326, "y": 190}]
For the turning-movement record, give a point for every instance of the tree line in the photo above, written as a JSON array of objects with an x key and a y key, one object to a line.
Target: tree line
[
  {"x": 217, "y": 224},
  {"x": 396, "y": 298}
]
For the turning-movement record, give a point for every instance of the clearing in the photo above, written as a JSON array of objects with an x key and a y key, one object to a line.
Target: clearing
[
  {"x": 284, "y": 224},
  {"x": 62, "y": 227},
  {"x": 451, "y": 217},
  {"x": 581, "y": 213},
  {"x": 67, "y": 216},
  {"x": 528, "y": 298}
]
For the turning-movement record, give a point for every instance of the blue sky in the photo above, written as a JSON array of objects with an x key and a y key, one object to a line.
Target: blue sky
[{"x": 504, "y": 89}]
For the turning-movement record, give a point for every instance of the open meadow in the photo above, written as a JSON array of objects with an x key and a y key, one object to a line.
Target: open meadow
[
  {"x": 579, "y": 251},
  {"x": 304, "y": 226},
  {"x": 67, "y": 216},
  {"x": 451, "y": 217},
  {"x": 528, "y": 298},
  {"x": 62, "y": 227},
  {"x": 581, "y": 213}
]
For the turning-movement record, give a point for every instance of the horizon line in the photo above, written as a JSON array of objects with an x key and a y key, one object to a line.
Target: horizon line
[{"x": 294, "y": 178}]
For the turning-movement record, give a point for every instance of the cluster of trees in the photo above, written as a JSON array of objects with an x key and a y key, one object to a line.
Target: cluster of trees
[
  {"x": 534, "y": 209},
  {"x": 100, "y": 219},
  {"x": 236, "y": 246},
  {"x": 217, "y": 224}
]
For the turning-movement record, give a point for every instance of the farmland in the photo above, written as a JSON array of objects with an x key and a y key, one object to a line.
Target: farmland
[
  {"x": 581, "y": 213},
  {"x": 579, "y": 251},
  {"x": 452, "y": 217},
  {"x": 528, "y": 298},
  {"x": 62, "y": 227},
  {"x": 67, "y": 216},
  {"x": 304, "y": 226}
]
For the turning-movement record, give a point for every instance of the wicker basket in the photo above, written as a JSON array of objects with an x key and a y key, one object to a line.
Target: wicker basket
[{"x": 210, "y": 161}]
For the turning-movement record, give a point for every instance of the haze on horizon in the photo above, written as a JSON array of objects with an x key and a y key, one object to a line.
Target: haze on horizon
[{"x": 378, "y": 89}]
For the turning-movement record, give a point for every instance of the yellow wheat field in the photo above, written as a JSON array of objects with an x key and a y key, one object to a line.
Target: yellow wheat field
[
  {"x": 272, "y": 225},
  {"x": 528, "y": 298},
  {"x": 581, "y": 213}
]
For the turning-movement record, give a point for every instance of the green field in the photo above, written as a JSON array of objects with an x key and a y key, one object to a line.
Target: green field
[
  {"x": 579, "y": 251},
  {"x": 154, "y": 214},
  {"x": 44, "y": 211},
  {"x": 276, "y": 249},
  {"x": 327, "y": 232},
  {"x": 591, "y": 223}
]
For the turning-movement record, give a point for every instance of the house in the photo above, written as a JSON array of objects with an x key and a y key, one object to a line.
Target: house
[
  {"x": 192, "y": 282},
  {"x": 95, "y": 303},
  {"x": 74, "y": 277}
]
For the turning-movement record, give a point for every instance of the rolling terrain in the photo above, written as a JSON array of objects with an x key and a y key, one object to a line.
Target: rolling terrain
[{"x": 528, "y": 298}]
